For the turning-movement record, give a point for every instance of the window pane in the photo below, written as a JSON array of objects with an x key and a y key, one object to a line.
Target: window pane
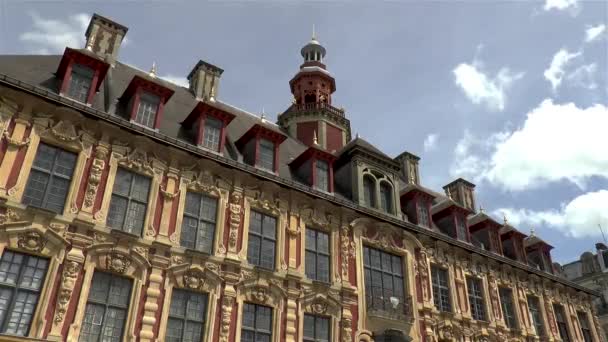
[
  {"x": 386, "y": 197},
  {"x": 267, "y": 257},
  {"x": 118, "y": 209},
  {"x": 57, "y": 193},
  {"x": 369, "y": 192},
  {"x": 175, "y": 329},
  {"x": 146, "y": 110},
  {"x": 134, "y": 221},
  {"x": 253, "y": 249},
  {"x": 36, "y": 188},
  {"x": 80, "y": 82},
  {"x": 269, "y": 227},
  {"x": 212, "y": 133},
  {"x": 188, "y": 234},
  {"x": 266, "y": 157},
  {"x": 92, "y": 323},
  {"x": 122, "y": 184},
  {"x": 322, "y": 175},
  {"x": 140, "y": 188},
  {"x": 22, "y": 312}
]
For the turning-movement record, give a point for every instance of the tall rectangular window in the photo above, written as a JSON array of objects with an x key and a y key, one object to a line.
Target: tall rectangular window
[
  {"x": 322, "y": 175},
  {"x": 461, "y": 225},
  {"x": 266, "y": 157},
  {"x": 383, "y": 280},
  {"x": 262, "y": 240},
  {"x": 585, "y": 327},
  {"x": 441, "y": 289},
  {"x": 50, "y": 178},
  {"x": 423, "y": 214},
  {"x": 107, "y": 308},
  {"x": 198, "y": 225},
  {"x": 80, "y": 83},
  {"x": 257, "y": 323},
  {"x": 212, "y": 133},
  {"x": 316, "y": 328},
  {"x": 146, "y": 109},
  {"x": 21, "y": 279},
  {"x": 537, "y": 319},
  {"x": 508, "y": 308},
  {"x": 317, "y": 255},
  {"x": 129, "y": 202},
  {"x": 187, "y": 315},
  {"x": 562, "y": 325},
  {"x": 475, "y": 291}
]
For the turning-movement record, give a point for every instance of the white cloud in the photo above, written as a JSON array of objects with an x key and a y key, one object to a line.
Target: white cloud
[
  {"x": 594, "y": 32},
  {"x": 177, "y": 80},
  {"x": 578, "y": 218},
  {"x": 47, "y": 36},
  {"x": 560, "y": 5},
  {"x": 583, "y": 76},
  {"x": 556, "y": 142},
  {"x": 430, "y": 142},
  {"x": 556, "y": 71},
  {"x": 480, "y": 88}
]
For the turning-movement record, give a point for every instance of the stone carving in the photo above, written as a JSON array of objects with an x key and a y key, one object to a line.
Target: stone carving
[
  {"x": 173, "y": 238},
  {"x": 494, "y": 297},
  {"x": 99, "y": 237},
  {"x": 9, "y": 216},
  {"x": 16, "y": 143},
  {"x": 347, "y": 329},
  {"x": 236, "y": 208},
  {"x": 177, "y": 260},
  {"x": 422, "y": 268},
  {"x": 260, "y": 294},
  {"x": 347, "y": 249},
  {"x": 138, "y": 160},
  {"x": 65, "y": 131},
  {"x": 68, "y": 281},
  {"x": 117, "y": 262},
  {"x": 204, "y": 181},
  {"x": 293, "y": 231},
  {"x": 143, "y": 251},
  {"x": 94, "y": 180},
  {"x": 227, "y": 303},
  {"x": 31, "y": 241},
  {"x": 319, "y": 307},
  {"x": 213, "y": 267},
  {"x": 550, "y": 317},
  {"x": 194, "y": 279},
  {"x": 166, "y": 194}
]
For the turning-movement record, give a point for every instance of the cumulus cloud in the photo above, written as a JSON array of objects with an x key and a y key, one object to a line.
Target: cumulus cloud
[
  {"x": 47, "y": 36},
  {"x": 556, "y": 71},
  {"x": 561, "y": 5},
  {"x": 594, "y": 32},
  {"x": 177, "y": 80},
  {"x": 430, "y": 142},
  {"x": 556, "y": 142},
  {"x": 579, "y": 218},
  {"x": 481, "y": 88}
]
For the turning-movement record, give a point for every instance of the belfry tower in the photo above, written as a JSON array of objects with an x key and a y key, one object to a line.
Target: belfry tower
[{"x": 311, "y": 118}]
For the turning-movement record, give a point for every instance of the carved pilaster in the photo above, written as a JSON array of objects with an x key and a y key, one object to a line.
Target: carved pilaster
[
  {"x": 228, "y": 301},
  {"x": 292, "y": 314},
  {"x": 346, "y": 325},
  {"x": 347, "y": 250},
  {"x": 235, "y": 208},
  {"x": 15, "y": 143},
  {"x": 153, "y": 291},
  {"x": 169, "y": 193},
  {"x": 68, "y": 281},
  {"x": 97, "y": 167}
]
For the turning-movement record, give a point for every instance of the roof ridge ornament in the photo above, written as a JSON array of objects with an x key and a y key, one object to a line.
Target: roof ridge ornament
[
  {"x": 90, "y": 43},
  {"x": 314, "y": 138},
  {"x": 532, "y": 232},
  {"x": 481, "y": 209},
  {"x": 504, "y": 217},
  {"x": 263, "y": 116},
  {"x": 314, "y": 35},
  {"x": 152, "y": 72}
]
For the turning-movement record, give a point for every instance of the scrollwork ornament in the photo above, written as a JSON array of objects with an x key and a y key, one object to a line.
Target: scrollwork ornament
[
  {"x": 68, "y": 281},
  {"x": 94, "y": 180},
  {"x": 260, "y": 294},
  {"x": 143, "y": 251},
  {"x": 31, "y": 241},
  {"x": 117, "y": 263},
  {"x": 194, "y": 279},
  {"x": 227, "y": 303},
  {"x": 9, "y": 216}
]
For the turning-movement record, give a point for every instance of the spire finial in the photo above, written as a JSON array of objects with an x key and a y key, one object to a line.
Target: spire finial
[
  {"x": 504, "y": 217},
  {"x": 532, "y": 232},
  {"x": 481, "y": 210},
  {"x": 90, "y": 43},
  {"x": 263, "y": 117},
  {"x": 152, "y": 72},
  {"x": 357, "y": 135},
  {"x": 314, "y": 138},
  {"x": 314, "y": 34}
]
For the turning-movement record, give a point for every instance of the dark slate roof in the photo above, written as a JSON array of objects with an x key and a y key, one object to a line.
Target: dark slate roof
[{"x": 40, "y": 70}]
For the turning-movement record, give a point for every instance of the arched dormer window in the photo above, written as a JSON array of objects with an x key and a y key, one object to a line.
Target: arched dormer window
[
  {"x": 369, "y": 191},
  {"x": 386, "y": 197}
]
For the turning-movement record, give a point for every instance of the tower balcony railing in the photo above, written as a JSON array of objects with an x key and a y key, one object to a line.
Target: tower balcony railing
[
  {"x": 305, "y": 107},
  {"x": 390, "y": 307}
]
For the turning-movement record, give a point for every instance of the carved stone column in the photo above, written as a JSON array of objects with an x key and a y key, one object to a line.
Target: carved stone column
[
  {"x": 347, "y": 252},
  {"x": 99, "y": 163},
  {"x": 292, "y": 313},
  {"x": 235, "y": 212},
  {"x": 159, "y": 263},
  {"x": 15, "y": 143},
  {"x": 169, "y": 194},
  {"x": 460, "y": 288}
]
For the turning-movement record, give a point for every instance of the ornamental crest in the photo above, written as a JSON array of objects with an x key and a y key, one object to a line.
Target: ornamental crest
[
  {"x": 194, "y": 279},
  {"x": 31, "y": 241},
  {"x": 117, "y": 262}
]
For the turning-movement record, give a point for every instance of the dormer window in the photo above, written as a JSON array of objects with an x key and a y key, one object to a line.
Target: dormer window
[
  {"x": 212, "y": 133},
  {"x": 416, "y": 203},
  {"x": 147, "y": 109},
  {"x": 81, "y": 75},
  {"x": 322, "y": 175},
  {"x": 451, "y": 219},
  {"x": 260, "y": 147},
  {"x": 315, "y": 168},
  {"x": 146, "y": 100},
  {"x": 80, "y": 83},
  {"x": 207, "y": 126},
  {"x": 266, "y": 157},
  {"x": 423, "y": 214}
]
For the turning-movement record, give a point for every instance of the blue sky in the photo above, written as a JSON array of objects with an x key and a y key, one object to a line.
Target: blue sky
[{"x": 510, "y": 95}]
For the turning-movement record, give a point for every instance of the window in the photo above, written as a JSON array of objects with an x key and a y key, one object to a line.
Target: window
[
  {"x": 262, "y": 240},
  {"x": 21, "y": 279},
  {"x": 146, "y": 109},
  {"x": 198, "y": 225},
  {"x": 423, "y": 214},
  {"x": 317, "y": 255},
  {"x": 80, "y": 83},
  {"x": 585, "y": 329},
  {"x": 186, "y": 316},
  {"x": 369, "y": 191},
  {"x": 508, "y": 309},
  {"x": 462, "y": 228},
  {"x": 562, "y": 325},
  {"x": 266, "y": 160},
  {"x": 129, "y": 202},
  {"x": 386, "y": 197},
  {"x": 316, "y": 328},
  {"x": 475, "y": 290},
  {"x": 107, "y": 306},
  {"x": 212, "y": 133},
  {"x": 537, "y": 319},
  {"x": 383, "y": 280},
  {"x": 257, "y": 323},
  {"x": 50, "y": 178},
  {"x": 441, "y": 289},
  {"x": 322, "y": 175}
]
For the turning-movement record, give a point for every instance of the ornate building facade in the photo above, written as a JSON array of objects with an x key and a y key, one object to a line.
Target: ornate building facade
[{"x": 134, "y": 209}]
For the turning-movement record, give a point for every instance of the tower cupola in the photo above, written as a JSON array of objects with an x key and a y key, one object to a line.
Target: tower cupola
[{"x": 313, "y": 52}]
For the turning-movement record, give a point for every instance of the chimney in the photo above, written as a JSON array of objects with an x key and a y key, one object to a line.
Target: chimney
[
  {"x": 104, "y": 37},
  {"x": 462, "y": 192},
  {"x": 204, "y": 80},
  {"x": 409, "y": 167}
]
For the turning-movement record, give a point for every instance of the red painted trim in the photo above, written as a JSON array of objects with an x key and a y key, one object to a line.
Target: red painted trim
[
  {"x": 66, "y": 78},
  {"x": 91, "y": 94},
  {"x": 71, "y": 310},
  {"x": 215, "y": 330},
  {"x": 160, "y": 301},
  {"x": 331, "y": 177},
  {"x": 159, "y": 114},
  {"x": 84, "y": 181},
  {"x": 201, "y": 129},
  {"x": 233, "y": 319},
  {"x": 140, "y": 310},
  {"x": 135, "y": 104},
  {"x": 102, "y": 184},
  {"x": 173, "y": 218},
  {"x": 16, "y": 167},
  {"x": 53, "y": 302},
  {"x": 222, "y": 138}
]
